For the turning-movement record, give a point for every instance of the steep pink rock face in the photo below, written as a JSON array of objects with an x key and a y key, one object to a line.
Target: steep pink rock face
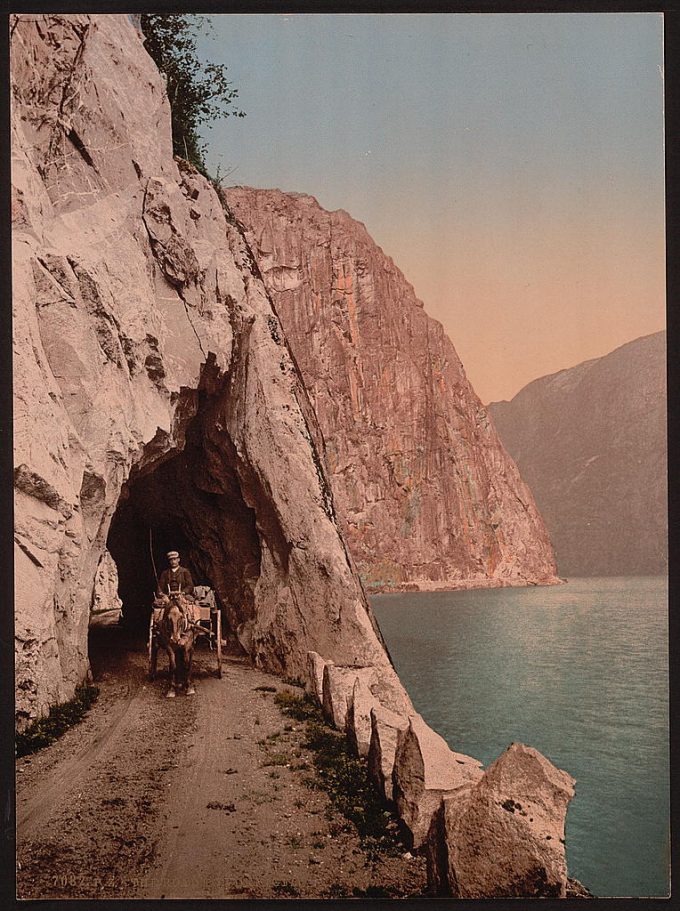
[
  {"x": 426, "y": 492},
  {"x": 153, "y": 385}
]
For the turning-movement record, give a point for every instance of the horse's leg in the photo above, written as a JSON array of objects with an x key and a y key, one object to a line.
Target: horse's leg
[
  {"x": 181, "y": 667},
  {"x": 173, "y": 673},
  {"x": 154, "y": 659},
  {"x": 188, "y": 660}
]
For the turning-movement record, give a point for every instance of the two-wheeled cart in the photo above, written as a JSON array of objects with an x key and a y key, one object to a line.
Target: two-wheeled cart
[{"x": 206, "y": 613}]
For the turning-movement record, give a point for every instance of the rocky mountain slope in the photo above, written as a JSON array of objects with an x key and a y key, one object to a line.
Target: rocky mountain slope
[
  {"x": 155, "y": 390},
  {"x": 153, "y": 384},
  {"x": 591, "y": 443},
  {"x": 426, "y": 493}
]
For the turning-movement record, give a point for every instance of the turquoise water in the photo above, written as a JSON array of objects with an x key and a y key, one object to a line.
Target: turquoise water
[{"x": 579, "y": 671}]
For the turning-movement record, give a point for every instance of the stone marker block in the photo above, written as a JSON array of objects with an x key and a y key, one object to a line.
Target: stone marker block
[
  {"x": 315, "y": 666},
  {"x": 337, "y": 687},
  {"x": 358, "y": 721},
  {"x": 385, "y": 727},
  {"x": 425, "y": 770}
]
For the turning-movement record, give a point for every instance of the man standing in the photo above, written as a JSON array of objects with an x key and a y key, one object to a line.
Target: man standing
[{"x": 176, "y": 579}]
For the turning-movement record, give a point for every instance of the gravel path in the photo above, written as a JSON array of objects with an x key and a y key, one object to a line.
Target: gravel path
[{"x": 196, "y": 797}]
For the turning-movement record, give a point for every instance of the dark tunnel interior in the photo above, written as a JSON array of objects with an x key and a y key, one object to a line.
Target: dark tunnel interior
[
  {"x": 141, "y": 533},
  {"x": 191, "y": 502}
]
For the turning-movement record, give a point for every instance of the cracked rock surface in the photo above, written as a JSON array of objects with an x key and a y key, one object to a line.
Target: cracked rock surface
[
  {"x": 504, "y": 834},
  {"x": 146, "y": 352}
]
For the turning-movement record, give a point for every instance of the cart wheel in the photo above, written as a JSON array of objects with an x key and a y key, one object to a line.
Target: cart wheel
[{"x": 219, "y": 644}]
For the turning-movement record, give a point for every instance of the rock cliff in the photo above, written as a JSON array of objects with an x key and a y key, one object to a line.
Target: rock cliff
[
  {"x": 591, "y": 443},
  {"x": 155, "y": 390},
  {"x": 425, "y": 491},
  {"x": 154, "y": 387}
]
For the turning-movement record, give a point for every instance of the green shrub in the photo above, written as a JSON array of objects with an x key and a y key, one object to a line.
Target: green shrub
[
  {"x": 44, "y": 731},
  {"x": 198, "y": 92}
]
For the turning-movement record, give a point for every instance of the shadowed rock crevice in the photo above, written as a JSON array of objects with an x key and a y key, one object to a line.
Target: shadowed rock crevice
[{"x": 189, "y": 499}]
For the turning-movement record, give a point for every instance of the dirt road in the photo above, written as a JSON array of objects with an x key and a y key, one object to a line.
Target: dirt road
[{"x": 193, "y": 797}]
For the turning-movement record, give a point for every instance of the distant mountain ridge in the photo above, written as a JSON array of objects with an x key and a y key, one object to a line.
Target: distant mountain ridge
[{"x": 590, "y": 441}]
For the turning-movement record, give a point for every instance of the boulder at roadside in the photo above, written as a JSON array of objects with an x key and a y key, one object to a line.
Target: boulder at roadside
[{"x": 504, "y": 835}]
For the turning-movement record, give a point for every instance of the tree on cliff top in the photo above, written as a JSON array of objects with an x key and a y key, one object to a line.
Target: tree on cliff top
[{"x": 198, "y": 92}]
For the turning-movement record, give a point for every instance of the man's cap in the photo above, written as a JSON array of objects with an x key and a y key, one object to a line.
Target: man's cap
[{"x": 172, "y": 553}]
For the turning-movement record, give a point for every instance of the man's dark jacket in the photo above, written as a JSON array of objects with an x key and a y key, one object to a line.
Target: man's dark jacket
[{"x": 176, "y": 581}]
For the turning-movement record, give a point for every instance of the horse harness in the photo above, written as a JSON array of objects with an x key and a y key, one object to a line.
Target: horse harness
[
  {"x": 182, "y": 624},
  {"x": 185, "y": 623}
]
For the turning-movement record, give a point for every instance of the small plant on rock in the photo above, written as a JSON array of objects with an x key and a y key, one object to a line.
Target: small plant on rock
[{"x": 44, "y": 731}]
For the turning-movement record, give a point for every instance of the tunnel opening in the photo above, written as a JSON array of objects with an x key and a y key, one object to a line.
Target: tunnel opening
[
  {"x": 141, "y": 534},
  {"x": 189, "y": 500}
]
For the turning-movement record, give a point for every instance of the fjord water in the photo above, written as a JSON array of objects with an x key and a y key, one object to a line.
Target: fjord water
[{"x": 579, "y": 671}]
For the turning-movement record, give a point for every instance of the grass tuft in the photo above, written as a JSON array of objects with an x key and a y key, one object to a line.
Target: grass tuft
[
  {"x": 344, "y": 777},
  {"x": 285, "y": 888},
  {"x": 293, "y": 681},
  {"x": 275, "y": 759},
  {"x": 301, "y": 708},
  {"x": 44, "y": 731}
]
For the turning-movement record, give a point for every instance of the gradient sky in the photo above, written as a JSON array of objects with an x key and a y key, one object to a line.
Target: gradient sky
[{"x": 510, "y": 164}]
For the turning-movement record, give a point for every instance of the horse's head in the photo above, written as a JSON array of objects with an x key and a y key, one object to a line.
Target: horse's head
[{"x": 174, "y": 623}]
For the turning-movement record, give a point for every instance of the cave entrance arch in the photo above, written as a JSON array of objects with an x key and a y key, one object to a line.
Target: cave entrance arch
[{"x": 188, "y": 500}]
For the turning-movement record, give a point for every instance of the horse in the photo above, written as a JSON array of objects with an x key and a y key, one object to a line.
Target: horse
[{"x": 176, "y": 633}]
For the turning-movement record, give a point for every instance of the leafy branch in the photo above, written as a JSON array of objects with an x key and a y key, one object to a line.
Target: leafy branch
[{"x": 198, "y": 92}]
